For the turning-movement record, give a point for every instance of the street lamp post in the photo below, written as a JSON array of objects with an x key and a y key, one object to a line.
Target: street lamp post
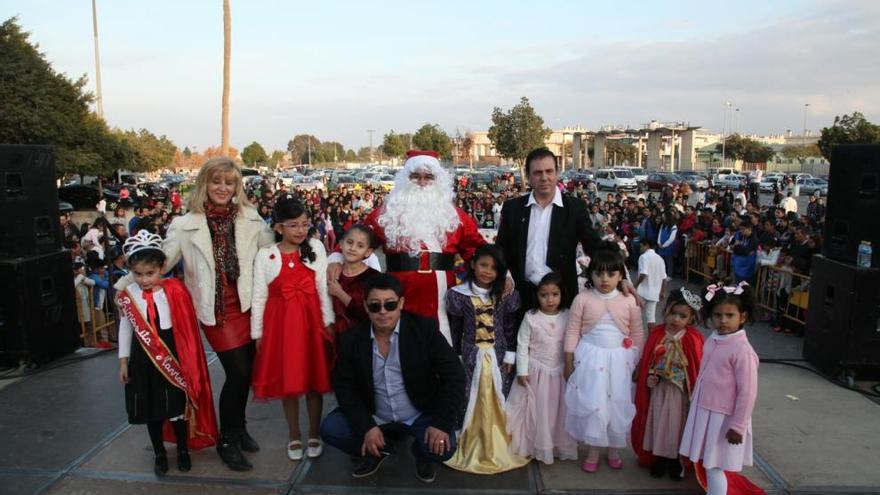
[
  {"x": 723, "y": 133},
  {"x": 370, "y": 132},
  {"x": 804, "y": 136}
]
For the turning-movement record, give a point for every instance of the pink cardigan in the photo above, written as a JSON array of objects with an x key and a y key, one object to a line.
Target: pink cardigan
[
  {"x": 728, "y": 379},
  {"x": 588, "y": 308}
]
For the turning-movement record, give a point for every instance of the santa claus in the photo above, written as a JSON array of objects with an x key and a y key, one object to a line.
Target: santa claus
[{"x": 421, "y": 231}]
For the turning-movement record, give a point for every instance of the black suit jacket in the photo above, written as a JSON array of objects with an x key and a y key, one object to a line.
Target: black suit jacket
[
  {"x": 432, "y": 374},
  {"x": 568, "y": 226}
]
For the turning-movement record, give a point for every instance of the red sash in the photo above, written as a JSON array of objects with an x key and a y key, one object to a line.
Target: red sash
[{"x": 148, "y": 338}]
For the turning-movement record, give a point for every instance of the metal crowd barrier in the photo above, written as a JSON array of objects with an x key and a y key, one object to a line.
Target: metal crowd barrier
[
  {"x": 783, "y": 292},
  {"x": 705, "y": 260},
  {"x": 97, "y": 325}
]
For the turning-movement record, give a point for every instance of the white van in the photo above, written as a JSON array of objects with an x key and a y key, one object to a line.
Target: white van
[
  {"x": 716, "y": 173},
  {"x": 616, "y": 179}
]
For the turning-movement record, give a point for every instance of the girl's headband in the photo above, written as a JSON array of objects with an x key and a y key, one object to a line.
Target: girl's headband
[
  {"x": 735, "y": 290},
  {"x": 692, "y": 299}
]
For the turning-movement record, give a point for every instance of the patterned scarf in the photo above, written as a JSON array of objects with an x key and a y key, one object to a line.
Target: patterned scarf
[{"x": 221, "y": 223}]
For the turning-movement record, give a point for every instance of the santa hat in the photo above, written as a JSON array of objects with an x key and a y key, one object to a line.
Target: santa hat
[{"x": 422, "y": 159}]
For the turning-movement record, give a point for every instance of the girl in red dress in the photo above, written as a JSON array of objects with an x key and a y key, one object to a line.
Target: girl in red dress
[
  {"x": 292, "y": 322},
  {"x": 348, "y": 291}
]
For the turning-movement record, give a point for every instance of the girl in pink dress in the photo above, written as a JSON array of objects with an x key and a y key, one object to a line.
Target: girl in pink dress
[
  {"x": 535, "y": 407},
  {"x": 718, "y": 433}
]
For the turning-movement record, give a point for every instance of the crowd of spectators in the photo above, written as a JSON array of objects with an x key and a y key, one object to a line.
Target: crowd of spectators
[{"x": 738, "y": 233}]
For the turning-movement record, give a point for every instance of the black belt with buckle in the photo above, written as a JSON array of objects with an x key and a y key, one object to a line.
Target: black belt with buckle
[{"x": 426, "y": 261}]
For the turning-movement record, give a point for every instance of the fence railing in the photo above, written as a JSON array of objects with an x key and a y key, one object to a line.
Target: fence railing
[
  {"x": 704, "y": 259},
  {"x": 778, "y": 290},
  {"x": 783, "y": 292},
  {"x": 97, "y": 324}
]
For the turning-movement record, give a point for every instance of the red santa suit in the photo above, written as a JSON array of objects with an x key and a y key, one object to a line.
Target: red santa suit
[{"x": 427, "y": 276}]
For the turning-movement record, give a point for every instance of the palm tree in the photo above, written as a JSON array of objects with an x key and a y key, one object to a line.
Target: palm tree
[{"x": 227, "y": 49}]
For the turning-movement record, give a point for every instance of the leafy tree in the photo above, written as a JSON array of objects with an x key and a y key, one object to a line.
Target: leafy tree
[
  {"x": 432, "y": 137},
  {"x": 746, "y": 149},
  {"x": 623, "y": 152},
  {"x": 253, "y": 154},
  {"x": 299, "y": 148},
  {"x": 351, "y": 156},
  {"x": 800, "y": 152},
  {"x": 154, "y": 152},
  {"x": 276, "y": 158},
  {"x": 394, "y": 145},
  {"x": 849, "y": 129},
  {"x": 41, "y": 106},
  {"x": 364, "y": 154},
  {"x": 516, "y": 133}
]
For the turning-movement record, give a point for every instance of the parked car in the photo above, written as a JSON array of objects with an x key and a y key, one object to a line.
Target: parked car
[
  {"x": 811, "y": 185},
  {"x": 731, "y": 181},
  {"x": 83, "y": 197},
  {"x": 695, "y": 179},
  {"x": 580, "y": 177},
  {"x": 770, "y": 184},
  {"x": 659, "y": 180},
  {"x": 716, "y": 173},
  {"x": 639, "y": 173},
  {"x": 615, "y": 180}
]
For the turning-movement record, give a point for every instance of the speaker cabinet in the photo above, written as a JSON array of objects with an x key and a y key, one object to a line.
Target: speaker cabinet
[
  {"x": 853, "y": 213},
  {"x": 38, "y": 321},
  {"x": 29, "y": 223},
  {"x": 843, "y": 322}
]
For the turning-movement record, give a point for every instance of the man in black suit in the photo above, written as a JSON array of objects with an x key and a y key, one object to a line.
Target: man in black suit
[
  {"x": 395, "y": 374},
  {"x": 540, "y": 232}
]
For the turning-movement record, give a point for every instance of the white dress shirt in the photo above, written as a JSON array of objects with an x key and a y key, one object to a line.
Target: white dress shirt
[{"x": 539, "y": 237}]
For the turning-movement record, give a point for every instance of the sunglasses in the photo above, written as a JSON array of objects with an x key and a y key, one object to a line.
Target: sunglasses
[{"x": 375, "y": 307}]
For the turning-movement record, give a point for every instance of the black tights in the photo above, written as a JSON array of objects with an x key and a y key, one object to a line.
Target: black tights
[
  {"x": 238, "y": 365},
  {"x": 155, "y": 430}
]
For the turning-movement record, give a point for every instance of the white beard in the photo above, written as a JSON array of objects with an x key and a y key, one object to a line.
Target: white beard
[{"x": 414, "y": 216}]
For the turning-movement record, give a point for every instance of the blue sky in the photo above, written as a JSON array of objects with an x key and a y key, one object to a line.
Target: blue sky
[{"x": 336, "y": 69}]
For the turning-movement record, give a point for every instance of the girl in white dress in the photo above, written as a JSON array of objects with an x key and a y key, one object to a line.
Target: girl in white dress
[{"x": 603, "y": 343}]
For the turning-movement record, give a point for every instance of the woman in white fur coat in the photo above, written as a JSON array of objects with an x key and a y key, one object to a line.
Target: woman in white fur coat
[{"x": 292, "y": 323}]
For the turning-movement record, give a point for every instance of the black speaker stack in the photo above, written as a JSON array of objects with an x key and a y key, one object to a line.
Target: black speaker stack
[
  {"x": 38, "y": 320},
  {"x": 842, "y": 335}
]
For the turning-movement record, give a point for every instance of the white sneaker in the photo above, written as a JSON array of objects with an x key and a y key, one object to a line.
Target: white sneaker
[
  {"x": 315, "y": 448},
  {"x": 295, "y": 450}
]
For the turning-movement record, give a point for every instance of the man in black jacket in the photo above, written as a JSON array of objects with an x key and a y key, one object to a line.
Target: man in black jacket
[
  {"x": 394, "y": 374},
  {"x": 539, "y": 232}
]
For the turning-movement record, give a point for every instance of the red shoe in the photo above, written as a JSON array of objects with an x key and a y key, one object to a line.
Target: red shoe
[
  {"x": 777, "y": 329},
  {"x": 615, "y": 463},
  {"x": 590, "y": 467}
]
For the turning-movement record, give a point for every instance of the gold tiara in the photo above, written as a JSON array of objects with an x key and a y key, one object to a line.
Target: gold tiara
[{"x": 142, "y": 241}]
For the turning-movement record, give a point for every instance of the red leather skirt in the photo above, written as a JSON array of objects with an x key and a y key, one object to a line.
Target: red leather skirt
[{"x": 233, "y": 329}]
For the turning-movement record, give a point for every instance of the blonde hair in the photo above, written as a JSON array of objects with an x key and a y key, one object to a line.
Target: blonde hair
[{"x": 212, "y": 167}]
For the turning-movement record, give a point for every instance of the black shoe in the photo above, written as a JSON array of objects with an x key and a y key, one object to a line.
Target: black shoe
[
  {"x": 247, "y": 443},
  {"x": 675, "y": 470},
  {"x": 161, "y": 465},
  {"x": 231, "y": 454},
  {"x": 659, "y": 467},
  {"x": 184, "y": 463},
  {"x": 426, "y": 471},
  {"x": 369, "y": 465}
]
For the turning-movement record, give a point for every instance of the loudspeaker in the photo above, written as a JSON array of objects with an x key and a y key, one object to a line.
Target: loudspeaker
[
  {"x": 29, "y": 200},
  {"x": 853, "y": 202},
  {"x": 38, "y": 321},
  {"x": 843, "y": 322}
]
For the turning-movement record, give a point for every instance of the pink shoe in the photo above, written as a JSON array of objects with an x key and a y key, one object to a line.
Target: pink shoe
[
  {"x": 590, "y": 467},
  {"x": 615, "y": 463}
]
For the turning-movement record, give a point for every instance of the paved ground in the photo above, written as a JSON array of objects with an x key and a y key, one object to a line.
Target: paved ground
[{"x": 64, "y": 431}]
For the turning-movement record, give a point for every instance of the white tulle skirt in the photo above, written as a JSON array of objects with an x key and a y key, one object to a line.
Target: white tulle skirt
[{"x": 598, "y": 397}]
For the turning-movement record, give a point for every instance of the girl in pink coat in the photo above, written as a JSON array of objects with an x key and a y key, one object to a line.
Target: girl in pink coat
[{"x": 718, "y": 433}]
